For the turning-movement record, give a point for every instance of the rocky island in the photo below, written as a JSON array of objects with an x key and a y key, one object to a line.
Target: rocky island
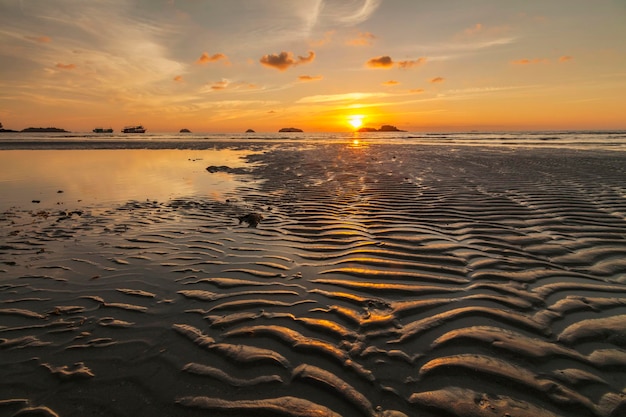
[
  {"x": 383, "y": 128},
  {"x": 290, "y": 129},
  {"x": 184, "y": 131},
  {"x": 2, "y": 130},
  {"x": 44, "y": 130},
  {"x": 250, "y": 131}
]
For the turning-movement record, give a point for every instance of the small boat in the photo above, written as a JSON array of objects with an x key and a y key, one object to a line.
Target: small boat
[
  {"x": 103, "y": 130},
  {"x": 134, "y": 129}
]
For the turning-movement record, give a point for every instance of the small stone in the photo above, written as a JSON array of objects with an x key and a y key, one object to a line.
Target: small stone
[{"x": 253, "y": 219}]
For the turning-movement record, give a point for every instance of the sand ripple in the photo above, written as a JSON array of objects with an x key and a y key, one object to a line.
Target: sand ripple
[{"x": 383, "y": 280}]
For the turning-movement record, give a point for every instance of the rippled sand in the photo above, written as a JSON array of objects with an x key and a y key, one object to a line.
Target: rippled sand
[{"x": 383, "y": 280}]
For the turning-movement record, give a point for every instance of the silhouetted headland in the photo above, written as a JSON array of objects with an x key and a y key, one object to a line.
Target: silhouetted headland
[
  {"x": 185, "y": 131},
  {"x": 290, "y": 129}
]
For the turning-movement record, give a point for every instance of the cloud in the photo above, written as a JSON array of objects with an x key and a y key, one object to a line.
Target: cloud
[
  {"x": 391, "y": 82},
  {"x": 413, "y": 63},
  {"x": 285, "y": 60},
  {"x": 68, "y": 67},
  {"x": 205, "y": 58},
  {"x": 477, "y": 28},
  {"x": 40, "y": 39},
  {"x": 178, "y": 79},
  {"x": 226, "y": 84},
  {"x": 310, "y": 78},
  {"x": 328, "y": 37},
  {"x": 220, "y": 85},
  {"x": 565, "y": 58},
  {"x": 384, "y": 61},
  {"x": 481, "y": 31},
  {"x": 416, "y": 91},
  {"x": 326, "y": 98},
  {"x": 362, "y": 39},
  {"x": 360, "y": 15},
  {"x": 529, "y": 61},
  {"x": 437, "y": 80}
]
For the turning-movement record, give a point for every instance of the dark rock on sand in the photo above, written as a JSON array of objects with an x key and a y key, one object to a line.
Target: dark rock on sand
[
  {"x": 290, "y": 129},
  {"x": 213, "y": 169},
  {"x": 253, "y": 219}
]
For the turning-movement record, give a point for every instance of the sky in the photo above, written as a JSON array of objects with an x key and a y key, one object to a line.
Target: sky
[{"x": 318, "y": 65}]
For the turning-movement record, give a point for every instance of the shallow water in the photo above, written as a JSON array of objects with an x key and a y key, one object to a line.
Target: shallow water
[
  {"x": 73, "y": 178},
  {"x": 421, "y": 279}
]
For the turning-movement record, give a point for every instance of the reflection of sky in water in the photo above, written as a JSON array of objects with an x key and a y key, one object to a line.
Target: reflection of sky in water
[{"x": 103, "y": 177}]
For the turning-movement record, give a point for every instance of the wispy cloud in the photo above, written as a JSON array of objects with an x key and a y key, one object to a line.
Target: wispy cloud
[
  {"x": 205, "y": 58},
  {"x": 310, "y": 77},
  {"x": 328, "y": 38},
  {"x": 411, "y": 64},
  {"x": 66, "y": 66},
  {"x": 390, "y": 83},
  {"x": 226, "y": 84},
  {"x": 387, "y": 62},
  {"x": 437, "y": 80},
  {"x": 362, "y": 39},
  {"x": 40, "y": 39},
  {"x": 347, "y": 12},
  {"x": 286, "y": 60},
  {"x": 526, "y": 61},
  {"x": 566, "y": 58},
  {"x": 483, "y": 31},
  {"x": 328, "y": 98}
]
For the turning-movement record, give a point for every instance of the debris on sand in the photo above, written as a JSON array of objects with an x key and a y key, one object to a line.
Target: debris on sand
[{"x": 253, "y": 219}]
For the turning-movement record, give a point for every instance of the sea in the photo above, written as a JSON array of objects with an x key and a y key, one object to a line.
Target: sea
[{"x": 571, "y": 139}]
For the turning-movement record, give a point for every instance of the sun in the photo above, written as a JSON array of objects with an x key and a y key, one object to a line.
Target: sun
[{"x": 356, "y": 121}]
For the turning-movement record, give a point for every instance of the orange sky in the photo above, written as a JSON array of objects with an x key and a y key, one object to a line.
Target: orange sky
[{"x": 226, "y": 66}]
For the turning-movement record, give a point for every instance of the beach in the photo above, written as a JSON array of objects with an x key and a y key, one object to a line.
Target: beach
[{"x": 385, "y": 278}]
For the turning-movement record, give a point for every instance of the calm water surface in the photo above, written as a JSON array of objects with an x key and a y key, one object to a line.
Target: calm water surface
[{"x": 76, "y": 178}]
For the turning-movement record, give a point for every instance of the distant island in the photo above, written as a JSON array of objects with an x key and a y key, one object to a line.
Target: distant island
[
  {"x": 6, "y": 130},
  {"x": 290, "y": 129},
  {"x": 250, "y": 131},
  {"x": 184, "y": 131},
  {"x": 44, "y": 130},
  {"x": 383, "y": 128}
]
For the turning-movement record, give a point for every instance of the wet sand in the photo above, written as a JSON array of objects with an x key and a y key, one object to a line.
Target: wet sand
[{"x": 382, "y": 280}]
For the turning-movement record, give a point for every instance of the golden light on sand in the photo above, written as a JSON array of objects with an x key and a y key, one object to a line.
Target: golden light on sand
[{"x": 356, "y": 121}]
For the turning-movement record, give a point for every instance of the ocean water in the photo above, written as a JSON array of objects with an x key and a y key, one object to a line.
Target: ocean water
[{"x": 598, "y": 140}]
